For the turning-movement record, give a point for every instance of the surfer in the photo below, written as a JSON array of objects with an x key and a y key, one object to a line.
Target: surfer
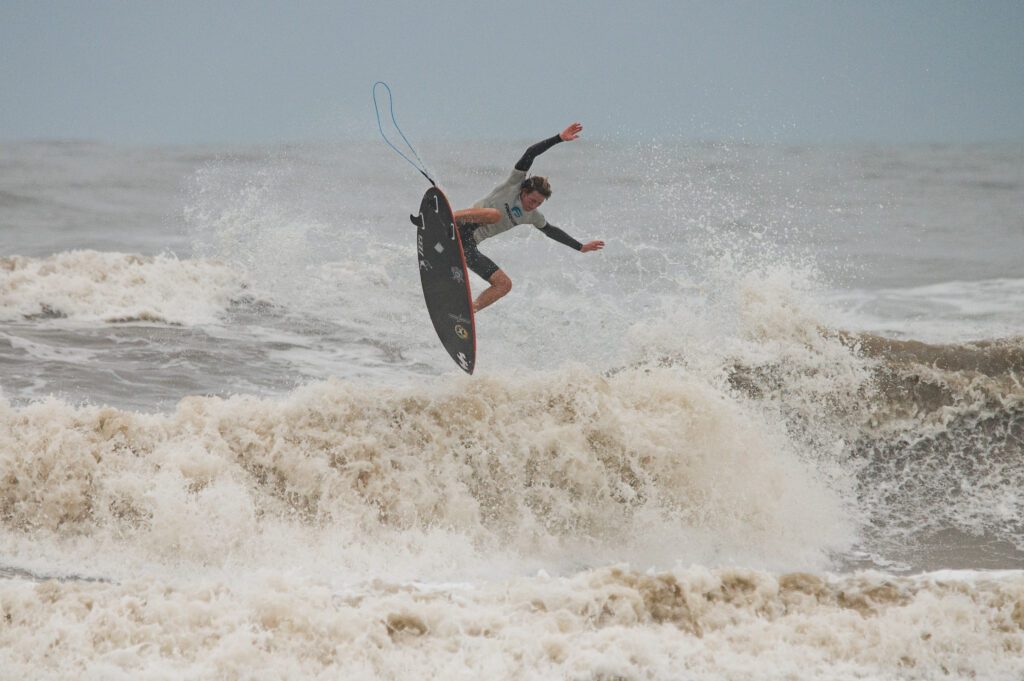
[{"x": 513, "y": 202}]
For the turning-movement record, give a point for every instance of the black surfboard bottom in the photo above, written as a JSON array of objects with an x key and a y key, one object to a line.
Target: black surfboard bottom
[{"x": 444, "y": 278}]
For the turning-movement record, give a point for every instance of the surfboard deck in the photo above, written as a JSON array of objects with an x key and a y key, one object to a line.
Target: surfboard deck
[{"x": 444, "y": 278}]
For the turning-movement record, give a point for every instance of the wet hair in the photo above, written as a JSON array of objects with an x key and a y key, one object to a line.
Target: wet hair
[{"x": 537, "y": 184}]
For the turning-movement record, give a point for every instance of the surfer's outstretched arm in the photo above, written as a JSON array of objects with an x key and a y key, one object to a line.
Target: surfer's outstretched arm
[
  {"x": 561, "y": 237},
  {"x": 567, "y": 135}
]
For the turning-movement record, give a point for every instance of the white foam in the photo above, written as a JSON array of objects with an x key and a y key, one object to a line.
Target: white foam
[
  {"x": 116, "y": 287},
  {"x": 610, "y": 622},
  {"x": 524, "y": 471}
]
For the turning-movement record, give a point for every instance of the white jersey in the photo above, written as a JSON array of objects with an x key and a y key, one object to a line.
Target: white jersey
[{"x": 505, "y": 198}]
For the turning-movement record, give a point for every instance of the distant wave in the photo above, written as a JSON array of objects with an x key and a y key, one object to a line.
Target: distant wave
[
  {"x": 116, "y": 287},
  {"x": 934, "y": 432},
  {"x": 923, "y": 380},
  {"x": 943, "y": 447}
]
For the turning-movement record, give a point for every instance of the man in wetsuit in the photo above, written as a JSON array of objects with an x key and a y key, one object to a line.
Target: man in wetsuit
[{"x": 513, "y": 202}]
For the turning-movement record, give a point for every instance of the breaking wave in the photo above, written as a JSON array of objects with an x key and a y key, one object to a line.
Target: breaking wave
[
  {"x": 646, "y": 465},
  {"x": 116, "y": 287}
]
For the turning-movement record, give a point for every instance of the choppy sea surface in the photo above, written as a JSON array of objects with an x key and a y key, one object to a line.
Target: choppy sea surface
[{"x": 774, "y": 430}]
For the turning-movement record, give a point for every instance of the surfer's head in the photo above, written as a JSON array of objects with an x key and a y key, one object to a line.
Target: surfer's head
[{"x": 533, "y": 191}]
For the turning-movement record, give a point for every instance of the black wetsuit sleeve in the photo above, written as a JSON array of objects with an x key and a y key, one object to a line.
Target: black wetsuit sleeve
[
  {"x": 560, "y": 236},
  {"x": 536, "y": 150}
]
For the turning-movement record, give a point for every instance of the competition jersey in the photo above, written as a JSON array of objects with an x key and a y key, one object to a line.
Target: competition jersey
[{"x": 505, "y": 198}]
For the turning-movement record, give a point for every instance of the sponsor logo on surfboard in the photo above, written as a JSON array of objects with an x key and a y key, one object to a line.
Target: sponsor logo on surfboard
[
  {"x": 424, "y": 265},
  {"x": 461, "y": 332},
  {"x": 419, "y": 244},
  {"x": 457, "y": 275},
  {"x": 463, "y": 362},
  {"x": 458, "y": 318}
]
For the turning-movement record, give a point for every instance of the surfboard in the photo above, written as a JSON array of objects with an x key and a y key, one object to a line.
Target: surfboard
[{"x": 444, "y": 278}]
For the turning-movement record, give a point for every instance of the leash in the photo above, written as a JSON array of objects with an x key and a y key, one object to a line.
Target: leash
[{"x": 421, "y": 166}]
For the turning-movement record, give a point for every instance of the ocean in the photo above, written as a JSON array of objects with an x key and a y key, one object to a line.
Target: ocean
[{"x": 774, "y": 430}]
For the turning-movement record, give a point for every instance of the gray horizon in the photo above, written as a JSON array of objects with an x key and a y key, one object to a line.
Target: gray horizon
[{"x": 793, "y": 72}]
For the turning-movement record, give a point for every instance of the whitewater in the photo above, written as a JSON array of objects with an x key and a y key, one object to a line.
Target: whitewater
[{"x": 774, "y": 430}]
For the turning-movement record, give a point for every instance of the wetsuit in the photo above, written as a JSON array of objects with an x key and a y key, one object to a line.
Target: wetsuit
[{"x": 506, "y": 199}]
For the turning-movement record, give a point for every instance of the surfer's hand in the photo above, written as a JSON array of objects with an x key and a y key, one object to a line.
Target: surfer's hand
[
  {"x": 571, "y": 133},
  {"x": 592, "y": 246}
]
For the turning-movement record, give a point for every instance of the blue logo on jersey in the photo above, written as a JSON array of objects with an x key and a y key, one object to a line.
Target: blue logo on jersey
[{"x": 517, "y": 211}]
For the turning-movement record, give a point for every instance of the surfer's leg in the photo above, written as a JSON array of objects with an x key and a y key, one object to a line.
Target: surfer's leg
[
  {"x": 500, "y": 286},
  {"x": 486, "y": 269}
]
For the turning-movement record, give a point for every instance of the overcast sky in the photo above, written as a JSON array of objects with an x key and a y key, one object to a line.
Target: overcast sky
[{"x": 262, "y": 72}]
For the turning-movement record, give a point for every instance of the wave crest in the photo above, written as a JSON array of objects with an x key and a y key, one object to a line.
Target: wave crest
[{"x": 116, "y": 287}]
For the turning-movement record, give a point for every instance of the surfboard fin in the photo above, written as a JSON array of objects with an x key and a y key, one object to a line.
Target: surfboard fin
[{"x": 416, "y": 220}]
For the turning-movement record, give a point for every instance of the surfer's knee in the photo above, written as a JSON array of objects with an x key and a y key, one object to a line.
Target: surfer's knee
[{"x": 501, "y": 282}]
